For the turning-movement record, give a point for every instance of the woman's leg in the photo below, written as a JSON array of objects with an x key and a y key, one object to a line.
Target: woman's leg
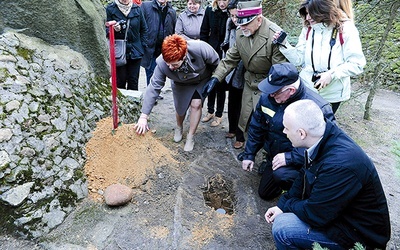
[
  {"x": 221, "y": 95},
  {"x": 335, "y": 106},
  {"x": 133, "y": 74},
  {"x": 121, "y": 76},
  {"x": 195, "y": 115},
  {"x": 234, "y": 105},
  {"x": 211, "y": 101},
  {"x": 179, "y": 127}
]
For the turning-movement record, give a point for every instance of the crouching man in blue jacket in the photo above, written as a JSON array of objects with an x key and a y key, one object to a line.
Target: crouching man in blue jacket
[
  {"x": 337, "y": 199},
  {"x": 283, "y": 162}
]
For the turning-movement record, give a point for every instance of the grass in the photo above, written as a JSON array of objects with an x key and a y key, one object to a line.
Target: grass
[{"x": 396, "y": 152}]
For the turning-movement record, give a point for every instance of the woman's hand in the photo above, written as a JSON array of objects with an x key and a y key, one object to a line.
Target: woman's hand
[
  {"x": 117, "y": 27},
  {"x": 324, "y": 80},
  {"x": 142, "y": 126}
]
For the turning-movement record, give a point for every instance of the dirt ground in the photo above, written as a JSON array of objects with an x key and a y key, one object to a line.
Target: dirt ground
[{"x": 169, "y": 209}]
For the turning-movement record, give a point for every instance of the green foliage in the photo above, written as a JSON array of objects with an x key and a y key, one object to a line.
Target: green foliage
[
  {"x": 357, "y": 246},
  {"x": 371, "y": 21},
  {"x": 67, "y": 198},
  {"x": 25, "y": 53},
  {"x": 317, "y": 246}
]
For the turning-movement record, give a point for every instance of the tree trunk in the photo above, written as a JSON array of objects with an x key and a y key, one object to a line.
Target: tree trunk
[{"x": 378, "y": 68}]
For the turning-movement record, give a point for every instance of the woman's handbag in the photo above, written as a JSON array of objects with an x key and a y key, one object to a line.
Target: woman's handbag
[{"x": 120, "y": 49}]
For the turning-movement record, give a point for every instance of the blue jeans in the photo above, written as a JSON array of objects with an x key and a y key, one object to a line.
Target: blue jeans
[
  {"x": 150, "y": 70},
  {"x": 292, "y": 233}
]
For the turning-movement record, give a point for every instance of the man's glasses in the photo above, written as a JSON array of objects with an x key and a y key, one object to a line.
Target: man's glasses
[{"x": 279, "y": 92}]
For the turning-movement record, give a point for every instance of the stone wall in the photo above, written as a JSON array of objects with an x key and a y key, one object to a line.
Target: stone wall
[{"x": 50, "y": 101}]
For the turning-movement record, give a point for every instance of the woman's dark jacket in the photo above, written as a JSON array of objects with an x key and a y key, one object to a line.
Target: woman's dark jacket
[
  {"x": 213, "y": 28},
  {"x": 137, "y": 34},
  {"x": 152, "y": 14},
  {"x": 340, "y": 193},
  {"x": 266, "y": 127}
]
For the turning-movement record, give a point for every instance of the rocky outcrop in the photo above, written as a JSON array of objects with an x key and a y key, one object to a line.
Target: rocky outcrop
[
  {"x": 50, "y": 101},
  {"x": 78, "y": 24}
]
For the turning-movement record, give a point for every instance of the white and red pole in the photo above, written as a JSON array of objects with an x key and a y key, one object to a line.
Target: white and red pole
[{"x": 110, "y": 26}]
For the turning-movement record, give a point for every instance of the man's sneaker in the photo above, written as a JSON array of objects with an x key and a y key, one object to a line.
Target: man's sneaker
[
  {"x": 178, "y": 134},
  {"x": 208, "y": 117}
]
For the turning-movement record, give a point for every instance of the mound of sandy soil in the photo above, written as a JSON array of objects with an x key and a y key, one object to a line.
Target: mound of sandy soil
[{"x": 123, "y": 157}]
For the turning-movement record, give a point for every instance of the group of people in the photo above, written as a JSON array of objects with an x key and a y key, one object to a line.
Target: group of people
[{"x": 334, "y": 195}]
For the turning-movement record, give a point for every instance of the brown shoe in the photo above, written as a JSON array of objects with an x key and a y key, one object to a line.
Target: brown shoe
[
  {"x": 217, "y": 121},
  {"x": 230, "y": 135},
  {"x": 208, "y": 117},
  {"x": 238, "y": 144}
]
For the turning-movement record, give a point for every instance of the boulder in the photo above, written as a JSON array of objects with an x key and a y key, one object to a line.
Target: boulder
[
  {"x": 117, "y": 195},
  {"x": 78, "y": 24}
]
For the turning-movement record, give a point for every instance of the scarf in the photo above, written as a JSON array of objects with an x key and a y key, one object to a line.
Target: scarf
[
  {"x": 124, "y": 8},
  {"x": 184, "y": 67}
]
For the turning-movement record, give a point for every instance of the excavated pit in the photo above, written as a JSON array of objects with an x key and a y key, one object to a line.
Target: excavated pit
[{"x": 218, "y": 194}]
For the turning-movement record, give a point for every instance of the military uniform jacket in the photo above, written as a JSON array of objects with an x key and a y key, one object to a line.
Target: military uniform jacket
[{"x": 258, "y": 53}]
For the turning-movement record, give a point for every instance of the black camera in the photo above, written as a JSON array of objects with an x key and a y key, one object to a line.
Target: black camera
[
  {"x": 122, "y": 23},
  {"x": 315, "y": 77},
  {"x": 281, "y": 37}
]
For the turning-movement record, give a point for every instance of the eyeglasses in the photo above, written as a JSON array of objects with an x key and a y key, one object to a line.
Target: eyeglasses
[
  {"x": 175, "y": 64},
  {"x": 278, "y": 92}
]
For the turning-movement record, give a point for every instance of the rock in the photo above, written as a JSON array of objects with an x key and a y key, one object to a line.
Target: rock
[
  {"x": 81, "y": 29},
  {"x": 118, "y": 194},
  {"x": 17, "y": 195},
  {"x": 5, "y": 134}
]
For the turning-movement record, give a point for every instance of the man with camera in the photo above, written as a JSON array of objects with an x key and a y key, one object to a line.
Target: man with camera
[{"x": 282, "y": 163}]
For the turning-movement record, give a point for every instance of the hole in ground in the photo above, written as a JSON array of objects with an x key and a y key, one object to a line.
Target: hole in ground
[{"x": 218, "y": 194}]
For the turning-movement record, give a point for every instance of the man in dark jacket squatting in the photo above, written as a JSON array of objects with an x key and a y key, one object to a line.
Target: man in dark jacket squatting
[
  {"x": 337, "y": 200},
  {"x": 282, "y": 87}
]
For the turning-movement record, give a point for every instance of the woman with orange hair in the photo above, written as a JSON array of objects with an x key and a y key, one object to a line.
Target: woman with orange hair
[{"x": 189, "y": 65}]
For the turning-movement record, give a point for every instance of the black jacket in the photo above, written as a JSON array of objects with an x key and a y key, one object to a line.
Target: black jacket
[
  {"x": 266, "y": 128},
  {"x": 137, "y": 33},
  {"x": 213, "y": 28},
  {"x": 152, "y": 14},
  {"x": 340, "y": 193}
]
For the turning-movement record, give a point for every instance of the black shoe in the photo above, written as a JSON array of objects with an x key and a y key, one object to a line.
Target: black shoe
[{"x": 160, "y": 97}]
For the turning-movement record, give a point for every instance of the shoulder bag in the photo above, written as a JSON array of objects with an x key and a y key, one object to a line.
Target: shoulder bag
[{"x": 120, "y": 49}]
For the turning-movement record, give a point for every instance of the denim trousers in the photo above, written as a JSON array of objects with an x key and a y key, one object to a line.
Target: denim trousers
[
  {"x": 150, "y": 70},
  {"x": 292, "y": 233}
]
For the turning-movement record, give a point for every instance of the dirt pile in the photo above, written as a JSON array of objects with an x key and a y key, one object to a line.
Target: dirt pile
[{"x": 123, "y": 157}]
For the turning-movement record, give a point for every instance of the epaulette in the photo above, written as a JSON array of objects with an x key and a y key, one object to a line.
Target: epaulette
[{"x": 274, "y": 27}]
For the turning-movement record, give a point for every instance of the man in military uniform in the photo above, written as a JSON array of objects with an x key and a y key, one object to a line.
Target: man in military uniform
[{"x": 255, "y": 48}]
